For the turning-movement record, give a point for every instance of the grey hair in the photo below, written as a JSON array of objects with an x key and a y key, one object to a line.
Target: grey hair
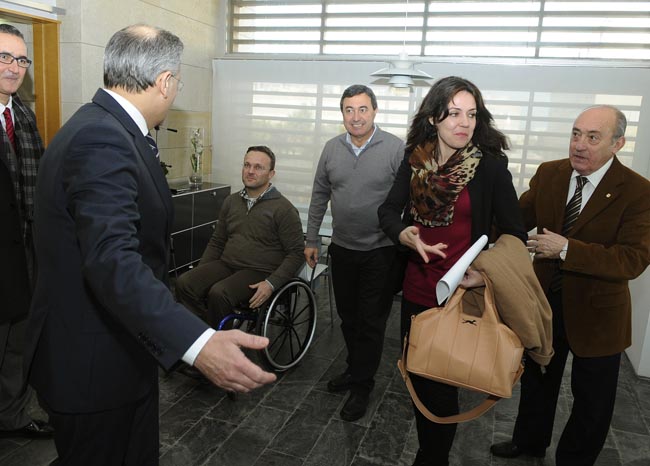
[
  {"x": 9, "y": 29},
  {"x": 621, "y": 121},
  {"x": 136, "y": 55}
]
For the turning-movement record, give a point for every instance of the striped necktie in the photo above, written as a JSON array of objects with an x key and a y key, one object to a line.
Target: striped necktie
[
  {"x": 573, "y": 207},
  {"x": 9, "y": 124},
  {"x": 571, "y": 214},
  {"x": 153, "y": 145}
]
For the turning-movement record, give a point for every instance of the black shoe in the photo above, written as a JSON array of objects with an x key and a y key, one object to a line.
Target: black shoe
[
  {"x": 510, "y": 450},
  {"x": 355, "y": 407},
  {"x": 35, "y": 429},
  {"x": 340, "y": 383},
  {"x": 422, "y": 460}
]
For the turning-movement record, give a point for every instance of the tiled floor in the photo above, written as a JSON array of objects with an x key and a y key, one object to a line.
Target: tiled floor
[{"x": 295, "y": 422}]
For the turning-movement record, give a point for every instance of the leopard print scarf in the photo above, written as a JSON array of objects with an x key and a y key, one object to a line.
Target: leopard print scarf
[{"x": 435, "y": 189}]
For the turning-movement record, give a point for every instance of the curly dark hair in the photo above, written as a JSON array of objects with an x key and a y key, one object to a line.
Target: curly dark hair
[{"x": 488, "y": 139}]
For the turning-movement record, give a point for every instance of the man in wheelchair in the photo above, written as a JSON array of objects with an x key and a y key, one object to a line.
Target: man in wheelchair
[{"x": 256, "y": 248}]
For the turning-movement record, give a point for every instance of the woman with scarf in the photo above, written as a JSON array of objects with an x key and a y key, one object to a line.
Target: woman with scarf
[{"x": 452, "y": 187}]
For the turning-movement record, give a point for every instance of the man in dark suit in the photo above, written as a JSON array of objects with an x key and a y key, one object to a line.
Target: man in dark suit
[
  {"x": 593, "y": 235},
  {"x": 102, "y": 315},
  {"x": 20, "y": 151}
]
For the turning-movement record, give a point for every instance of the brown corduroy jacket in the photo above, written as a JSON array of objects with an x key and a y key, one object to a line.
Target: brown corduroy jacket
[{"x": 608, "y": 245}]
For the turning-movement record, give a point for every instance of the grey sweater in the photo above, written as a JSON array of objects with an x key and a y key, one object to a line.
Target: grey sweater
[{"x": 356, "y": 187}]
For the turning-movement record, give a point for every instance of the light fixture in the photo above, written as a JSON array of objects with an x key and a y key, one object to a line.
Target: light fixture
[{"x": 401, "y": 72}]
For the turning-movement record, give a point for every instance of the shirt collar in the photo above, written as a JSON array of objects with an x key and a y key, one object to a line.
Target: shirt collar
[
  {"x": 596, "y": 176},
  {"x": 357, "y": 150},
  {"x": 131, "y": 109},
  {"x": 9, "y": 105},
  {"x": 251, "y": 201}
]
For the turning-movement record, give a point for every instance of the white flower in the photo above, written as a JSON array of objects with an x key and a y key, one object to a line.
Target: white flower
[{"x": 197, "y": 149}]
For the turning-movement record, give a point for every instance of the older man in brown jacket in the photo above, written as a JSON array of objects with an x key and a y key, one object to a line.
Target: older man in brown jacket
[{"x": 593, "y": 235}]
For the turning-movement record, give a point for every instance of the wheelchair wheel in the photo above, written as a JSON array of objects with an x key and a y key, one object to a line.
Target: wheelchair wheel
[{"x": 289, "y": 324}]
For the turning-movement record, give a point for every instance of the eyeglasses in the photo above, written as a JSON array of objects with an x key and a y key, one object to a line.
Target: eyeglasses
[
  {"x": 257, "y": 167},
  {"x": 180, "y": 85},
  {"x": 8, "y": 59}
]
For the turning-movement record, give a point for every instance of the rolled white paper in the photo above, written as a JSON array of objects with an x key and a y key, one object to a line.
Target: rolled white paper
[{"x": 450, "y": 281}]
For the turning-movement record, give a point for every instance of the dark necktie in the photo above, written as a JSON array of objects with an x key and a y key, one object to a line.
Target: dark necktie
[
  {"x": 153, "y": 145},
  {"x": 570, "y": 216},
  {"x": 9, "y": 124},
  {"x": 573, "y": 207}
]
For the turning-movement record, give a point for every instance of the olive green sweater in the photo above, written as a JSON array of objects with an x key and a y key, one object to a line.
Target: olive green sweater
[{"x": 267, "y": 238}]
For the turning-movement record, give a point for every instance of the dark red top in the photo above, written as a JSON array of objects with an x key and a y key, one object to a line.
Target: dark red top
[{"x": 420, "y": 278}]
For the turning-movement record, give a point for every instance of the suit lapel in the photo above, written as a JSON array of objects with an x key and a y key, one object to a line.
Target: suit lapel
[
  {"x": 608, "y": 190},
  {"x": 559, "y": 190},
  {"x": 104, "y": 100},
  {"x": 5, "y": 162}
]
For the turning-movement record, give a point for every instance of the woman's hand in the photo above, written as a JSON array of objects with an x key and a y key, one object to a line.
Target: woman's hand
[
  {"x": 410, "y": 237},
  {"x": 472, "y": 279}
]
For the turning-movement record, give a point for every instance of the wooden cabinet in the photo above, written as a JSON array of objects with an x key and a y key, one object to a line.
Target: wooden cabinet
[{"x": 195, "y": 217}]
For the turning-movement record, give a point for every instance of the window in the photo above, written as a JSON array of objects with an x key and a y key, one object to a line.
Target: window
[
  {"x": 293, "y": 107},
  {"x": 522, "y": 29}
]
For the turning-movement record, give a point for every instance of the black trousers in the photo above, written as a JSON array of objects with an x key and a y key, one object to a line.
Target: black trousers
[
  {"x": 363, "y": 302},
  {"x": 435, "y": 440},
  {"x": 593, "y": 384},
  {"x": 126, "y": 436}
]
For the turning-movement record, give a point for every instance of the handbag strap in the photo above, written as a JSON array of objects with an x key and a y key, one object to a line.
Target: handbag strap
[{"x": 456, "y": 418}]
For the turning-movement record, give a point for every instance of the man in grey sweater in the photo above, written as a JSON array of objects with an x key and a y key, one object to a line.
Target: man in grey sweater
[
  {"x": 355, "y": 173},
  {"x": 256, "y": 247}
]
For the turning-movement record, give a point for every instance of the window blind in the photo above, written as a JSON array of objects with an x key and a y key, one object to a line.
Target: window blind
[{"x": 523, "y": 29}]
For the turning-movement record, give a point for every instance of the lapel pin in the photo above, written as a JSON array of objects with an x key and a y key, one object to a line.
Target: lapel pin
[{"x": 608, "y": 195}]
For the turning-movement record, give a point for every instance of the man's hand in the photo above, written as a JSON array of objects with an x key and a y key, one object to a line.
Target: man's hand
[
  {"x": 262, "y": 293},
  {"x": 546, "y": 245},
  {"x": 410, "y": 236},
  {"x": 222, "y": 361},
  {"x": 311, "y": 256}
]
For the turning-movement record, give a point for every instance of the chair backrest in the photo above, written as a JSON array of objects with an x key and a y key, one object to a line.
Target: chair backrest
[{"x": 310, "y": 274}]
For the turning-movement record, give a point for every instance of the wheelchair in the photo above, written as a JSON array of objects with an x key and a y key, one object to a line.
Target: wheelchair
[{"x": 287, "y": 319}]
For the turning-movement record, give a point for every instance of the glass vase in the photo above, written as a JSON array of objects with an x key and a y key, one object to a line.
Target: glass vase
[
  {"x": 196, "y": 158},
  {"x": 196, "y": 179}
]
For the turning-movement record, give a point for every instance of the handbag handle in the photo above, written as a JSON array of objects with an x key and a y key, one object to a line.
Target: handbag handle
[{"x": 490, "y": 313}]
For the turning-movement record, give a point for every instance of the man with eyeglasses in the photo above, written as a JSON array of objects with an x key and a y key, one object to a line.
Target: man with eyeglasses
[
  {"x": 255, "y": 249},
  {"x": 103, "y": 318},
  {"x": 20, "y": 152}
]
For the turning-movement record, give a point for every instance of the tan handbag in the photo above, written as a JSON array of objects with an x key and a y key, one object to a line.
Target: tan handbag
[{"x": 450, "y": 346}]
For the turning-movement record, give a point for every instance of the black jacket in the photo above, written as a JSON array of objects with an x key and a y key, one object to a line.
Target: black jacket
[
  {"x": 493, "y": 201},
  {"x": 102, "y": 318}
]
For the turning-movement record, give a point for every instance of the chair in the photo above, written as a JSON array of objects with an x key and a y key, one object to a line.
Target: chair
[{"x": 310, "y": 274}]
